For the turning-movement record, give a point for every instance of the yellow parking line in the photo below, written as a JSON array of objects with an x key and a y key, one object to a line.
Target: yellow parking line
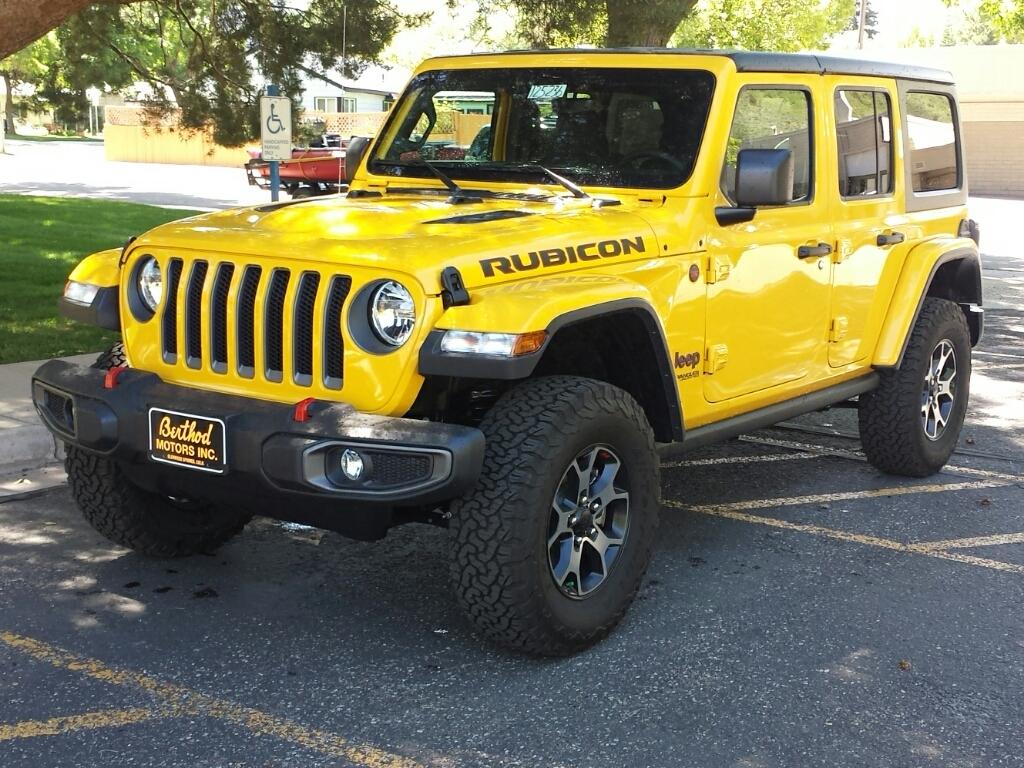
[
  {"x": 741, "y": 460},
  {"x": 854, "y": 538},
  {"x": 181, "y": 700},
  {"x": 55, "y": 726},
  {"x": 976, "y": 541},
  {"x": 825, "y": 498},
  {"x": 825, "y": 450}
]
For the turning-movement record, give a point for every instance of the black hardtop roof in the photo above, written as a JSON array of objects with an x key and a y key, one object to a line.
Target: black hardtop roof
[{"x": 756, "y": 61}]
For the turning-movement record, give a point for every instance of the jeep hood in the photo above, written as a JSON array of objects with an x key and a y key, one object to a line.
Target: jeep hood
[{"x": 489, "y": 242}]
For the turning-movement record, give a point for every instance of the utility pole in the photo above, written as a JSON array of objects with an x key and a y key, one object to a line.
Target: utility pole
[{"x": 862, "y": 18}]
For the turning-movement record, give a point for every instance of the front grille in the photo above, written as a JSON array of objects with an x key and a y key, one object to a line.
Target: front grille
[
  {"x": 228, "y": 314},
  {"x": 334, "y": 347},
  {"x": 302, "y": 341},
  {"x": 219, "y": 320},
  {"x": 274, "y": 327},
  {"x": 194, "y": 315},
  {"x": 170, "y": 318},
  {"x": 246, "y": 314}
]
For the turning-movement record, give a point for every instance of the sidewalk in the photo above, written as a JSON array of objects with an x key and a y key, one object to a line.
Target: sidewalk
[{"x": 28, "y": 453}]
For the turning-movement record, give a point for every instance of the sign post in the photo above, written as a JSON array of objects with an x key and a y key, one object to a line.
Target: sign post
[{"x": 276, "y": 133}]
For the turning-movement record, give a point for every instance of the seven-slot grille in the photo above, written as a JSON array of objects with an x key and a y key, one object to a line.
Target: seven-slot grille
[{"x": 201, "y": 292}]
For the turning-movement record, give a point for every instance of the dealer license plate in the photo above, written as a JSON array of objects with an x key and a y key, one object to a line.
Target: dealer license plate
[{"x": 186, "y": 440}]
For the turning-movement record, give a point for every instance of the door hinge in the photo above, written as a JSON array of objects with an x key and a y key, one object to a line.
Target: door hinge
[
  {"x": 837, "y": 331},
  {"x": 718, "y": 270},
  {"x": 716, "y": 358}
]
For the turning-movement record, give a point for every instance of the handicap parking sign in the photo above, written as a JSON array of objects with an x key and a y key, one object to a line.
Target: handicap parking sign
[{"x": 276, "y": 127}]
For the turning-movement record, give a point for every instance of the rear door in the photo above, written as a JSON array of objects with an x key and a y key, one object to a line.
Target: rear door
[{"x": 871, "y": 231}]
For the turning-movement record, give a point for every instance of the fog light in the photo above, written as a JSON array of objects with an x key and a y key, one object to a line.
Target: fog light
[{"x": 351, "y": 464}]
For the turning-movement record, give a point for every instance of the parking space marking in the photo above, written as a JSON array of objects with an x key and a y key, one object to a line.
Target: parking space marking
[
  {"x": 826, "y": 450},
  {"x": 54, "y": 726},
  {"x": 741, "y": 460},
  {"x": 181, "y": 701},
  {"x": 976, "y": 541},
  {"x": 825, "y": 498},
  {"x": 725, "y": 511}
]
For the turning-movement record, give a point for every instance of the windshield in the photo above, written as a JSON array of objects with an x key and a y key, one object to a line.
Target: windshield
[{"x": 638, "y": 128}]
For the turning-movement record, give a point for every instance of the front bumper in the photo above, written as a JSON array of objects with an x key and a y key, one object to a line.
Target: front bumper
[{"x": 273, "y": 460}]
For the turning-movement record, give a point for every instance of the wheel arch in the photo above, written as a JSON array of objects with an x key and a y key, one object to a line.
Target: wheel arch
[
  {"x": 944, "y": 268},
  {"x": 626, "y": 343}
]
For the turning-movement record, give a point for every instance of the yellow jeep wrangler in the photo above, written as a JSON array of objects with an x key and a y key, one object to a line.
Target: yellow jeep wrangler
[{"x": 548, "y": 269}]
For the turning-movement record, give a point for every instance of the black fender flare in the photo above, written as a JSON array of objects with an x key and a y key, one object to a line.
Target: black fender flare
[{"x": 434, "y": 362}]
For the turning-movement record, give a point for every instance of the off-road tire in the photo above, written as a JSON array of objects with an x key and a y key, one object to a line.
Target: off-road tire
[
  {"x": 891, "y": 431},
  {"x": 146, "y": 522},
  {"x": 498, "y": 531},
  {"x": 113, "y": 358}
]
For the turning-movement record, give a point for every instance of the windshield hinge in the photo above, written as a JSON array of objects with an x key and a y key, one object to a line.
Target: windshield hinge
[
  {"x": 453, "y": 293},
  {"x": 124, "y": 250}
]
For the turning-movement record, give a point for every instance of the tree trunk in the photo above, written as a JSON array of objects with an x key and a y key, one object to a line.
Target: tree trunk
[
  {"x": 25, "y": 21},
  {"x": 643, "y": 22},
  {"x": 8, "y": 102}
]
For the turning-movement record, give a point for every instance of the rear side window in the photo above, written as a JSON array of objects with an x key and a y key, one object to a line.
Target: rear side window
[
  {"x": 864, "y": 137},
  {"x": 772, "y": 118},
  {"x": 932, "y": 152}
]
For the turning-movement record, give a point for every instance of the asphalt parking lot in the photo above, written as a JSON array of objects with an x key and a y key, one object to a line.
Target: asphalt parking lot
[{"x": 802, "y": 609}]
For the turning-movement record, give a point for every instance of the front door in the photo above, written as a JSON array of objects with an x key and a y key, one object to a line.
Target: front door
[{"x": 769, "y": 279}]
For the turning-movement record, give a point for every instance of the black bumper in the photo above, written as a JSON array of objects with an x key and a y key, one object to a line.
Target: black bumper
[{"x": 276, "y": 465}]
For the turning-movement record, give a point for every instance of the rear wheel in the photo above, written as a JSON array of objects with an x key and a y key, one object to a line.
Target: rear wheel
[
  {"x": 147, "y": 522},
  {"x": 910, "y": 424},
  {"x": 549, "y": 548}
]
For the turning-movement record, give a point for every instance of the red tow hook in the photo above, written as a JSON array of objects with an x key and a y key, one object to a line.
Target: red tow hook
[
  {"x": 302, "y": 409},
  {"x": 110, "y": 379}
]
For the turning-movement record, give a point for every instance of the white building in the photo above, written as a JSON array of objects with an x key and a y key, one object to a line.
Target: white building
[{"x": 373, "y": 91}]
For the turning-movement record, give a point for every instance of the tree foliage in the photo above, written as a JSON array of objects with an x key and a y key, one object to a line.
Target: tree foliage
[
  {"x": 986, "y": 23},
  {"x": 210, "y": 58},
  {"x": 764, "y": 25},
  {"x": 611, "y": 23},
  {"x": 870, "y": 19},
  {"x": 29, "y": 65},
  {"x": 1007, "y": 16}
]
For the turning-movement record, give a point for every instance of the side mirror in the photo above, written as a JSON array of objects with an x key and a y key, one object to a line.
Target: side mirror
[
  {"x": 354, "y": 154},
  {"x": 764, "y": 177}
]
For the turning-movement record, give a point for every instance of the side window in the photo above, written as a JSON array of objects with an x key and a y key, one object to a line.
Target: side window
[
  {"x": 932, "y": 152},
  {"x": 864, "y": 138},
  {"x": 772, "y": 118}
]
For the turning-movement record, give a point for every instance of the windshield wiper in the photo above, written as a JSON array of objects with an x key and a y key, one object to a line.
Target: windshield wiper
[
  {"x": 576, "y": 190},
  {"x": 458, "y": 194}
]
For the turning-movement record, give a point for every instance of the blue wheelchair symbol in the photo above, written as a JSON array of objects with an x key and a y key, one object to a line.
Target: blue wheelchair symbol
[{"x": 274, "y": 124}]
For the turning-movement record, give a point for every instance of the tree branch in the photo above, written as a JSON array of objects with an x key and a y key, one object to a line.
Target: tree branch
[{"x": 25, "y": 21}]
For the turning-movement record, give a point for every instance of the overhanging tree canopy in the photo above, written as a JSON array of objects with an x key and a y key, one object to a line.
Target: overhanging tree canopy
[{"x": 210, "y": 57}]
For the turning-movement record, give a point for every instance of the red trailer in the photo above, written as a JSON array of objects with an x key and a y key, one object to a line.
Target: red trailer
[{"x": 311, "y": 171}]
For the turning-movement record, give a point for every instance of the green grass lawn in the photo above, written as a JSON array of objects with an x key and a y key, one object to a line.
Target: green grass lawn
[{"x": 41, "y": 240}]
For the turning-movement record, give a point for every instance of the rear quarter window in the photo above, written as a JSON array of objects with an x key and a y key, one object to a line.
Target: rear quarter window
[{"x": 933, "y": 140}]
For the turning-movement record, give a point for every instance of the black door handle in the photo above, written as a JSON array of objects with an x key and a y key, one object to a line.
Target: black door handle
[
  {"x": 893, "y": 238},
  {"x": 813, "y": 251}
]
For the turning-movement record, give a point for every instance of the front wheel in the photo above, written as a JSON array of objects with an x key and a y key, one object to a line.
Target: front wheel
[
  {"x": 909, "y": 425},
  {"x": 151, "y": 524},
  {"x": 549, "y": 548}
]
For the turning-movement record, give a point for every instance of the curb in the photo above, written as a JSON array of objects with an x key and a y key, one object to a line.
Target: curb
[
  {"x": 28, "y": 447},
  {"x": 25, "y": 444}
]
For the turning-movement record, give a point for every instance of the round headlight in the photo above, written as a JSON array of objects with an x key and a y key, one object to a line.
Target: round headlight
[
  {"x": 151, "y": 283},
  {"x": 392, "y": 313}
]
